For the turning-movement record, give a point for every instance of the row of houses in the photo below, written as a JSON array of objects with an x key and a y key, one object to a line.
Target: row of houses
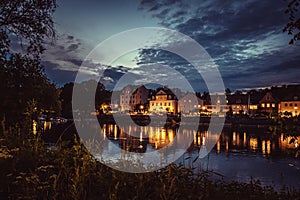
[{"x": 141, "y": 99}]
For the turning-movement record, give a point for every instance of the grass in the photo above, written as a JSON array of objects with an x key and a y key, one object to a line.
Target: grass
[{"x": 30, "y": 170}]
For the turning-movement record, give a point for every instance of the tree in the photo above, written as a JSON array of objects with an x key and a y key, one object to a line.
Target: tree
[
  {"x": 26, "y": 22},
  {"x": 227, "y": 91},
  {"x": 24, "y": 27},
  {"x": 293, "y": 26},
  {"x": 25, "y": 82}
]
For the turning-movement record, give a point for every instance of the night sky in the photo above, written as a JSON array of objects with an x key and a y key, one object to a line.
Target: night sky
[{"x": 244, "y": 38}]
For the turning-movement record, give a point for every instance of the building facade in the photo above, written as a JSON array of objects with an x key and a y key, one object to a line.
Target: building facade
[
  {"x": 268, "y": 103},
  {"x": 290, "y": 104},
  {"x": 238, "y": 103},
  {"x": 131, "y": 96},
  {"x": 190, "y": 104},
  {"x": 163, "y": 101}
]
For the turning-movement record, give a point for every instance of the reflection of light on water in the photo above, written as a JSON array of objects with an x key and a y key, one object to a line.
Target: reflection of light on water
[
  {"x": 115, "y": 132},
  {"x": 263, "y": 147},
  {"x": 218, "y": 146},
  {"x": 227, "y": 145},
  {"x": 268, "y": 147},
  {"x": 171, "y": 134},
  {"x": 203, "y": 141},
  {"x": 284, "y": 143},
  {"x": 160, "y": 137},
  {"x": 234, "y": 138},
  {"x": 104, "y": 131},
  {"x": 245, "y": 139},
  {"x": 253, "y": 144},
  {"x": 141, "y": 136}
]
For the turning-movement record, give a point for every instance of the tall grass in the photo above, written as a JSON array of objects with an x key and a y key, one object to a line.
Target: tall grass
[{"x": 31, "y": 170}]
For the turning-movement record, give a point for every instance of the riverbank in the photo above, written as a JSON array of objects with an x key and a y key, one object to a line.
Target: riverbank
[
  {"x": 203, "y": 120},
  {"x": 30, "y": 170}
]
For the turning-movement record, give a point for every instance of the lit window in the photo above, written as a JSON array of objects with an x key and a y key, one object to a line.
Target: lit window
[
  {"x": 268, "y": 105},
  {"x": 273, "y": 105},
  {"x": 263, "y": 105},
  {"x": 190, "y": 101}
]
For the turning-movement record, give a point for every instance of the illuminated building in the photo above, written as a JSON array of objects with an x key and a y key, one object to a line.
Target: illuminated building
[
  {"x": 163, "y": 101},
  {"x": 131, "y": 96},
  {"x": 268, "y": 103},
  {"x": 190, "y": 104},
  {"x": 290, "y": 104},
  {"x": 238, "y": 103}
]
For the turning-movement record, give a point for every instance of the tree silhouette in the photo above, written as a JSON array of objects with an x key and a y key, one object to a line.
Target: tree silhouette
[
  {"x": 24, "y": 82},
  {"x": 25, "y": 25},
  {"x": 293, "y": 26},
  {"x": 28, "y": 22}
]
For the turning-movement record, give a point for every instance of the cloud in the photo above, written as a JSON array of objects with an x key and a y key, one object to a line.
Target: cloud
[
  {"x": 244, "y": 38},
  {"x": 73, "y": 47}
]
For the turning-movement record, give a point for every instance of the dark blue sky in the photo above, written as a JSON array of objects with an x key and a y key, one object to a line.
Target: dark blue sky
[{"x": 244, "y": 38}]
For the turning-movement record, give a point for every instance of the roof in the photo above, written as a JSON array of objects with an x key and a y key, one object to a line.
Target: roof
[
  {"x": 291, "y": 97},
  {"x": 241, "y": 99}
]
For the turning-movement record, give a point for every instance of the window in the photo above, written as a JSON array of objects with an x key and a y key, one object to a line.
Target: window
[
  {"x": 169, "y": 104},
  {"x": 263, "y": 105},
  {"x": 190, "y": 101},
  {"x": 160, "y": 104},
  {"x": 295, "y": 104},
  {"x": 268, "y": 105},
  {"x": 285, "y": 104},
  {"x": 291, "y": 104},
  {"x": 152, "y": 104},
  {"x": 165, "y": 104},
  {"x": 273, "y": 105}
]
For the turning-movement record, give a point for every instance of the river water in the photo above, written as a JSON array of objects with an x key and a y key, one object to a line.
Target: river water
[{"x": 240, "y": 154}]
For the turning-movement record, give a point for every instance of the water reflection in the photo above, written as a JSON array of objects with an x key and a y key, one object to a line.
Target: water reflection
[
  {"x": 237, "y": 154},
  {"x": 139, "y": 139}
]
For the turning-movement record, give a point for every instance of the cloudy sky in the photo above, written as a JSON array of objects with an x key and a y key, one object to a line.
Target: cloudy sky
[{"x": 243, "y": 38}]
